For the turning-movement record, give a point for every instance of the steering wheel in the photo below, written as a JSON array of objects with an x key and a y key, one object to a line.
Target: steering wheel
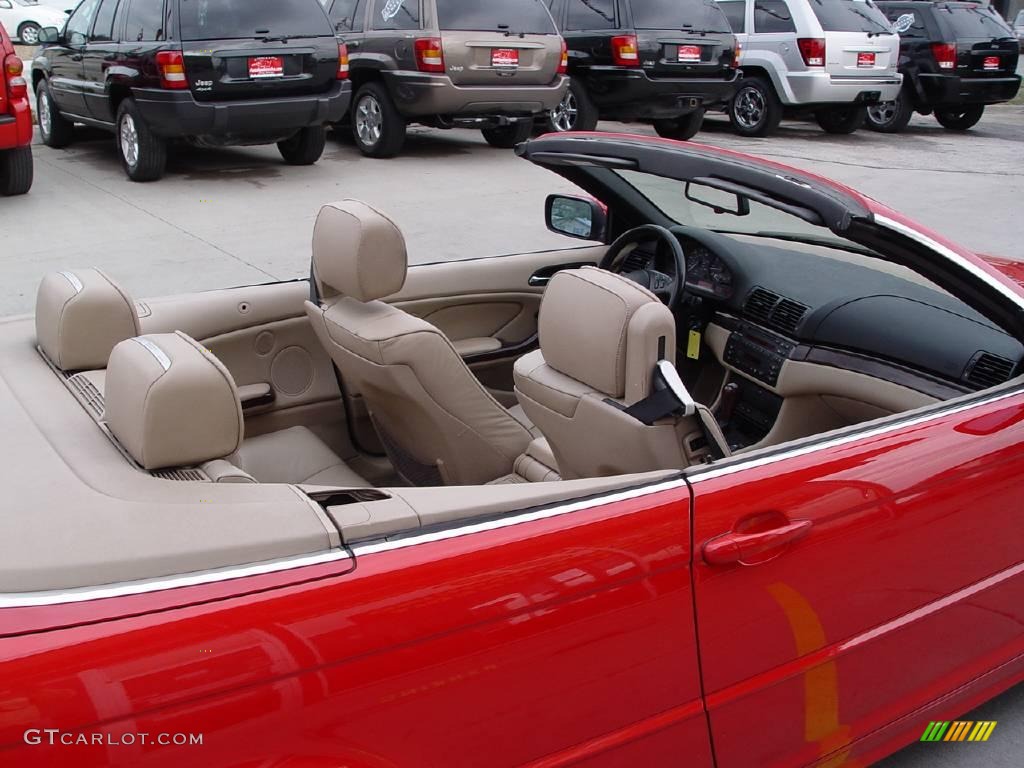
[{"x": 668, "y": 288}]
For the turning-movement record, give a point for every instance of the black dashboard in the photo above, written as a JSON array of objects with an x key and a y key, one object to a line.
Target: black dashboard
[{"x": 796, "y": 301}]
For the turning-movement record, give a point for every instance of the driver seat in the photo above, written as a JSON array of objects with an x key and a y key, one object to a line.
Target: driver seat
[
  {"x": 438, "y": 423},
  {"x": 602, "y": 338}
]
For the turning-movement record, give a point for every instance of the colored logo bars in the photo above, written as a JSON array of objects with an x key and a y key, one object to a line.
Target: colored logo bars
[{"x": 959, "y": 730}]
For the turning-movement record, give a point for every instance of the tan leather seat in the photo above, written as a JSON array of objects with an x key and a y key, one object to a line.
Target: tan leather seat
[
  {"x": 438, "y": 423},
  {"x": 81, "y": 315},
  {"x": 601, "y": 338},
  {"x": 171, "y": 403}
]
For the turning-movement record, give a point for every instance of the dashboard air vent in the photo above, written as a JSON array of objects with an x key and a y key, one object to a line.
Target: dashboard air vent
[
  {"x": 770, "y": 309},
  {"x": 988, "y": 370}
]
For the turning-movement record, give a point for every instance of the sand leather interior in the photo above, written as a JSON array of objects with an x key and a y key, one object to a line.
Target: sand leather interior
[{"x": 438, "y": 423}]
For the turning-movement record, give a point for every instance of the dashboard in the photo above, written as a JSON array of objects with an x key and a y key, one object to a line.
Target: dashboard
[{"x": 706, "y": 274}]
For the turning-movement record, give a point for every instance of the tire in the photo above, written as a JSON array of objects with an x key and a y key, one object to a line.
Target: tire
[
  {"x": 143, "y": 154},
  {"x": 28, "y": 33},
  {"x": 681, "y": 128},
  {"x": 377, "y": 127},
  {"x": 576, "y": 112},
  {"x": 755, "y": 110},
  {"x": 960, "y": 119},
  {"x": 305, "y": 147},
  {"x": 508, "y": 136},
  {"x": 15, "y": 171},
  {"x": 55, "y": 130},
  {"x": 891, "y": 116},
  {"x": 840, "y": 120}
]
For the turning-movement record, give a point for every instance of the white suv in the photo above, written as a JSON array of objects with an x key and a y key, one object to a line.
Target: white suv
[{"x": 831, "y": 58}]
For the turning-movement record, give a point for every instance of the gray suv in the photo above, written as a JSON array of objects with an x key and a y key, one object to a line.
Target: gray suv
[
  {"x": 829, "y": 58},
  {"x": 494, "y": 65}
]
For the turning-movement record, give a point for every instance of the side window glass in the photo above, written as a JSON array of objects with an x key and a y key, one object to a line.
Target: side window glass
[
  {"x": 347, "y": 15},
  {"x": 772, "y": 16},
  {"x": 103, "y": 29},
  {"x": 145, "y": 21},
  {"x": 78, "y": 25},
  {"x": 397, "y": 14},
  {"x": 590, "y": 14},
  {"x": 736, "y": 12}
]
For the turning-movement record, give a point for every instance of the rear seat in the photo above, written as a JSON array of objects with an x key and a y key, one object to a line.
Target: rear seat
[{"x": 171, "y": 404}]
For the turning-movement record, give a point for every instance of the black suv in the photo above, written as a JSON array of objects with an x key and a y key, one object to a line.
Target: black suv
[
  {"x": 955, "y": 59},
  {"x": 220, "y": 73},
  {"x": 666, "y": 61}
]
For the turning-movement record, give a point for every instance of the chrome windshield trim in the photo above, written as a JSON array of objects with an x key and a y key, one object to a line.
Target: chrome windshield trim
[{"x": 124, "y": 589}]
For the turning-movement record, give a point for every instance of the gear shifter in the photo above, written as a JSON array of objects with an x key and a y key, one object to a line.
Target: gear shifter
[{"x": 727, "y": 403}]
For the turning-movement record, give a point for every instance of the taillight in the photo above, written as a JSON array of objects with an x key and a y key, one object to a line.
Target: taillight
[
  {"x": 171, "y": 65},
  {"x": 429, "y": 55},
  {"x": 736, "y": 56},
  {"x": 563, "y": 65},
  {"x": 945, "y": 55},
  {"x": 17, "y": 88},
  {"x": 342, "y": 62},
  {"x": 813, "y": 51},
  {"x": 625, "y": 51}
]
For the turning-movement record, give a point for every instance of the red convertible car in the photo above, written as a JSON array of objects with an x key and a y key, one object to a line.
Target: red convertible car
[{"x": 736, "y": 482}]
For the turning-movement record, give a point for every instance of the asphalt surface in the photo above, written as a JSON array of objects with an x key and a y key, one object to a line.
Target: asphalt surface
[{"x": 239, "y": 216}]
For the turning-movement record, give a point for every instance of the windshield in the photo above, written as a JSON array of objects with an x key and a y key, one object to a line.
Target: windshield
[
  {"x": 529, "y": 17},
  {"x": 671, "y": 198},
  {"x": 696, "y": 15},
  {"x": 240, "y": 19},
  {"x": 975, "y": 21},
  {"x": 850, "y": 16}
]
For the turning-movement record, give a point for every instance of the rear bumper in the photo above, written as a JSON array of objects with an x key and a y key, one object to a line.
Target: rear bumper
[
  {"x": 16, "y": 125},
  {"x": 632, "y": 94},
  {"x": 950, "y": 89},
  {"x": 173, "y": 114},
  {"x": 419, "y": 94},
  {"x": 808, "y": 88}
]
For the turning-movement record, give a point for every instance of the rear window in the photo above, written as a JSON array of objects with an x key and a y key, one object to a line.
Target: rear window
[
  {"x": 974, "y": 21},
  {"x": 850, "y": 16},
  {"x": 240, "y": 19},
  {"x": 735, "y": 11},
  {"x": 689, "y": 15},
  {"x": 529, "y": 17}
]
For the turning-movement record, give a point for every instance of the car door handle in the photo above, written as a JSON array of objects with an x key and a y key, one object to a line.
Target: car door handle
[
  {"x": 76, "y": 57},
  {"x": 736, "y": 547}
]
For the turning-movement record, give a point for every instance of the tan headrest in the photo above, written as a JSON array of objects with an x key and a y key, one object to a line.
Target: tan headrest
[
  {"x": 171, "y": 403},
  {"x": 80, "y": 316},
  {"x": 606, "y": 331},
  {"x": 358, "y": 252}
]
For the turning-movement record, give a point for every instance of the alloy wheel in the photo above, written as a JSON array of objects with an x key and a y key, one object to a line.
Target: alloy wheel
[
  {"x": 882, "y": 113},
  {"x": 369, "y": 120},
  {"x": 29, "y": 34},
  {"x": 129, "y": 140},
  {"x": 45, "y": 117},
  {"x": 564, "y": 115},
  {"x": 749, "y": 108}
]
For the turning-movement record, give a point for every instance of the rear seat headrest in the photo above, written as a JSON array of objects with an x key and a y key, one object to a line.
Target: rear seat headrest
[
  {"x": 80, "y": 316},
  {"x": 171, "y": 403},
  {"x": 358, "y": 252}
]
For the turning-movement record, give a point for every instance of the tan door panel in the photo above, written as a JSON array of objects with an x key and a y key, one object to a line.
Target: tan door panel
[{"x": 508, "y": 317}]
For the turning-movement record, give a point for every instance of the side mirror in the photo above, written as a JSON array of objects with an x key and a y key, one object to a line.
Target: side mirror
[
  {"x": 576, "y": 217},
  {"x": 6, "y": 5},
  {"x": 49, "y": 35}
]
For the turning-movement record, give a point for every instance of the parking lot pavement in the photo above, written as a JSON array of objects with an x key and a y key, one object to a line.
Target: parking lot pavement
[{"x": 233, "y": 216}]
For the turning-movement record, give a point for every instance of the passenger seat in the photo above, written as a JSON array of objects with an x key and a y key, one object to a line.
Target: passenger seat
[{"x": 171, "y": 404}]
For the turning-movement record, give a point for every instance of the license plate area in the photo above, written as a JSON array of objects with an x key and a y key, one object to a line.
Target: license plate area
[
  {"x": 264, "y": 67},
  {"x": 991, "y": 63},
  {"x": 865, "y": 59},
  {"x": 689, "y": 54},
  {"x": 505, "y": 58}
]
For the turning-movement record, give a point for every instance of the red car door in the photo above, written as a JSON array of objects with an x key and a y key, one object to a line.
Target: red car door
[
  {"x": 843, "y": 586},
  {"x": 556, "y": 638}
]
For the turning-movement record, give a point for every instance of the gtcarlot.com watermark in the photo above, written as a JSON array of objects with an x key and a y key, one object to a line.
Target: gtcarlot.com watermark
[{"x": 56, "y": 737}]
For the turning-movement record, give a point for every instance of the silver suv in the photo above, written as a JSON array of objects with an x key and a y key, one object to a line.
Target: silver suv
[{"x": 831, "y": 58}]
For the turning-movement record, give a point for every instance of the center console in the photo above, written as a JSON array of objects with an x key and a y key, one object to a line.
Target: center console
[{"x": 758, "y": 353}]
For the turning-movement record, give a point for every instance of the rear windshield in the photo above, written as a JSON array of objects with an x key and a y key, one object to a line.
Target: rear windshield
[
  {"x": 850, "y": 16},
  {"x": 974, "y": 21},
  {"x": 529, "y": 17},
  {"x": 240, "y": 19},
  {"x": 690, "y": 15}
]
